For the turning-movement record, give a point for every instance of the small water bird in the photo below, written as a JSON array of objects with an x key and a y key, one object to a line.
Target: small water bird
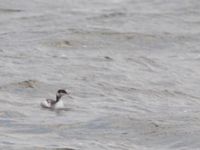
[{"x": 55, "y": 104}]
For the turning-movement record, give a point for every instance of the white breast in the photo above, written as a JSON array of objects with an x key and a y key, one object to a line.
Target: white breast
[{"x": 59, "y": 105}]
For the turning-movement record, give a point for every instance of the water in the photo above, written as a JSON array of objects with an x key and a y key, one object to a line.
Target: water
[{"x": 131, "y": 67}]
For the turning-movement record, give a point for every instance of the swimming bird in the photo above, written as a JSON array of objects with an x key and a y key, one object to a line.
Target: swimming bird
[{"x": 55, "y": 104}]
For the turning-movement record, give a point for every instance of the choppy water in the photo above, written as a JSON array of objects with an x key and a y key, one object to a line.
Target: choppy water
[{"x": 131, "y": 66}]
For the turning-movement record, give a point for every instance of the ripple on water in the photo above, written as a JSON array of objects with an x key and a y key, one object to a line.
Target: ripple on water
[
  {"x": 10, "y": 114},
  {"x": 22, "y": 84}
]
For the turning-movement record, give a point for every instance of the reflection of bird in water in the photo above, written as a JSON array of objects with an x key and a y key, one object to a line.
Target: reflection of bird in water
[{"x": 55, "y": 104}]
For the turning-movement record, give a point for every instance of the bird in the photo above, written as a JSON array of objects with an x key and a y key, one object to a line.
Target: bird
[{"x": 55, "y": 104}]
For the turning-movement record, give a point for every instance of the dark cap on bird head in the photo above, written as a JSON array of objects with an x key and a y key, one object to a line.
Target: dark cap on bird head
[{"x": 62, "y": 91}]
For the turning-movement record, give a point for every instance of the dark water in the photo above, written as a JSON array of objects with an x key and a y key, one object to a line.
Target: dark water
[{"x": 131, "y": 66}]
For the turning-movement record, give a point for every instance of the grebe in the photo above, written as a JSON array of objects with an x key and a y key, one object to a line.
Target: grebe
[{"x": 55, "y": 104}]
